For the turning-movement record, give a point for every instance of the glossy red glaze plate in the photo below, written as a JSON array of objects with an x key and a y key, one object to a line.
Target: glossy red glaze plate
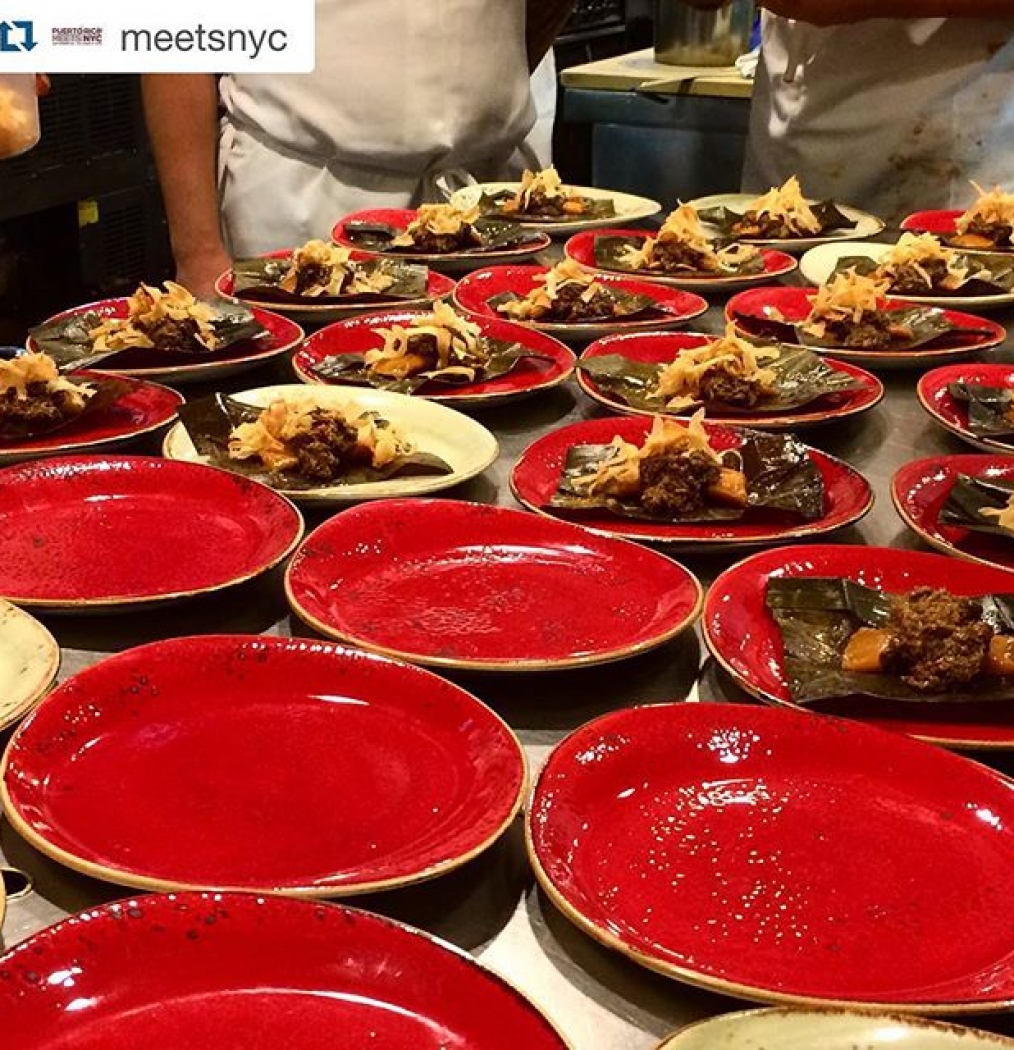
[
  {"x": 239, "y": 972},
  {"x": 952, "y": 415},
  {"x": 89, "y": 532},
  {"x": 748, "y": 310},
  {"x": 744, "y": 639},
  {"x": 784, "y": 857},
  {"x": 536, "y": 475},
  {"x": 144, "y": 408},
  {"x": 934, "y": 220},
  {"x": 673, "y": 306},
  {"x": 581, "y": 248},
  {"x": 282, "y": 337},
  {"x": 278, "y": 765},
  {"x": 359, "y": 334},
  {"x": 920, "y": 490},
  {"x": 437, "y": 287},
  {"x": 400, "y": 218},
  {"x": 665, "y": 347},
  {"x": 466, "y": 585}
]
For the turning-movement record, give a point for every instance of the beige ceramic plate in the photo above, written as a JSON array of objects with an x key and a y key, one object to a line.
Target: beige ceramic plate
[
  {"x": 29, "y": 660},
  {"x": 819, "y": 263},
  {"x": 866, "y": 225},
  {"x": 828, "y": 1030},
  {"x": 628, "y": 207},
  {"x": 467, "y": 446}
]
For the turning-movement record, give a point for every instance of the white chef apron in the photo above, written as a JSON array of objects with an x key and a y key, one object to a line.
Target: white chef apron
[
  {"x": 892, "y": 115},
  {"x": 404, "y": 90}
]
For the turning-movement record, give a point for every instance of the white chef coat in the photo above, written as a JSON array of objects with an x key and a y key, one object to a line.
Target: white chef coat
[
  {"x": 892, "y": 115},
  {"x": 404, "y": 90}
]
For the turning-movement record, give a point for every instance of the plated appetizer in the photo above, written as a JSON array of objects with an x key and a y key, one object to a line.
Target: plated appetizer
[
  {"x": 676, "y": 474},
  {"x": 541, "y": 195},
  {"x": 843, "y": 639},
  {"x": 984, "y": 226},
  {"x": 441, "y": 347},
  {"x": 35, "y": 399},
  {"x": 989, "y": 409},
  {"x": 724, "y": 374},
  {"x": 568, "y": 294}
]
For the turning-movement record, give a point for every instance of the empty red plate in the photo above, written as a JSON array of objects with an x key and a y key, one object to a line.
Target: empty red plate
[
  {"x": 536, "y": 475},
  {"x": 753, "y": 311},
  {"x": 934, "y": 396},
  {"x": 672, "y": 306},
  {"x": 237, "y": 972},
  {"x": 921, "y": 488},
  {"x": 91, "y": 532},
  {"x": 744, "y": 638},
  {"x": 466, "y": 585},
  {"x": 553, "y": 365},
  {"x": 267, "y": 764},
  {"x": 783, "y": 857},
  {"x": 665, "y": 347},
  {"x": 280, "y": 337},
  {"x": 581, "y": 248}
]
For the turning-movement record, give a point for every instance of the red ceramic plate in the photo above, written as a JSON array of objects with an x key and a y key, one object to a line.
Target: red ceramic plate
[
  {"x": 239, "y": 972},
  {"x": 783, "y": 857},
  {"x": 143, "y": 409},
  {"x": 953, "y": 415},
  {"x": 938, "y": 220},
  {"x": 465, "y": 585},
  {"x": 400, "y": 218},
  {"x": 280, "y": 765},
  {"x": 847, "y": 495},
  {"x": 665, "y": 347},
  {"x": 673, "y": 306},
  {"x": 748, "y": 310},
  {"x": 744, "y": 638},
  {"x": 438, "y": 287},
  {"x": 282, "y": 337},
  {"x": 920, "y": 490},
  {"x": 581, "y": 248},
  {"x": 359, "y": 334},
  {"x": 91, "y": 532}
]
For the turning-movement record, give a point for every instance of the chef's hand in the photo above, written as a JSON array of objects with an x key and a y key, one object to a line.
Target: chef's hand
[
  {"x": 42, "y": 84},
  {"x": 198, "y": 275}
]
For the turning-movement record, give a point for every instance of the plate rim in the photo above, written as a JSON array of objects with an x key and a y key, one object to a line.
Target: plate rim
[
  {"x": 985, "y": 444},
  {"x": 33, "y": 698},
  {"x": 504, "y": 666},
  {"x": 697, "y": 979},
  {"x": 120, "y": 877}
]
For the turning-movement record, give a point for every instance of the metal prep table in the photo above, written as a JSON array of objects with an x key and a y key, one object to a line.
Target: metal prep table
[{"x": 492, "y": 907}]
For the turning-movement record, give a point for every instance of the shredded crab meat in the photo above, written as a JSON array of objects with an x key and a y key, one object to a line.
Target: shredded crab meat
[
  {"x": 30, "y": 369},
  {"x": 622, "y": 470},
  {"x": 787, "y": 202},
  {"x": 147, "y": 308},
  {"x": 849, "y": 296},
  {"x": 339, "y": 273},
  {"x": 915, "y": 250},
  {"x": 459, "y": 345},
  {"x": 440, "y": 220},
  {"x": 269, "y": 437},
  {"x": 547, "y": 183},
  {"x": 993, "y": 207},
  {"x": 679, "y": 382}
]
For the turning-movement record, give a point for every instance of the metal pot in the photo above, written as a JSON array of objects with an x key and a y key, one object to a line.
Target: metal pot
[{"x": 692, "y": 36}]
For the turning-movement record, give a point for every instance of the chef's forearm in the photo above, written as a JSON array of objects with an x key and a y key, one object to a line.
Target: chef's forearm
[
  {"x": 834, "y": 12},
  {"x": 544, "y": 20},
  {"x": 182, "y": 115}
]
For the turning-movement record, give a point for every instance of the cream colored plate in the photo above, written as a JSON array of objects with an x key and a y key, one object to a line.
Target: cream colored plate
[
  {"x": 819, "y": 263},
  {"x": 866, "y": 225},
  {"x": 828, "y": 1030},
  {"x": 29, "y": 660},
  {"x": 463, "y": 443},
  {"x": 628, "y": 207}
]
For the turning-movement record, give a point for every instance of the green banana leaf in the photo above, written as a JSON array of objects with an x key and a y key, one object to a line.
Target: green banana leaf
[
  {"x": 801, "y": 377},
  {"x": 987, "y": 409},
  {"x": 610, "y": 252},
  {"x": 969, "y": 497},
  {"x": 260, "y": 278},
  {"x": 210, "y": 421},
  {"x": 594, "y": 208},
  {"x": 828, "y": 214},
  {"x": 817, "y": 617},
  {"x": 781, "y": 479},
  {"x": 992, "y": 273},
  {"x": 494, "y": 235}
]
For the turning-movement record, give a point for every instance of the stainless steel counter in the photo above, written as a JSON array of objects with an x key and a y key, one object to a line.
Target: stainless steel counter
[{"x": 599, "y": 1000}]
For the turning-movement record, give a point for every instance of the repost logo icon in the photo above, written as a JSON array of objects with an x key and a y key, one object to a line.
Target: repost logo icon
[{"x": 17, "y": 36}]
